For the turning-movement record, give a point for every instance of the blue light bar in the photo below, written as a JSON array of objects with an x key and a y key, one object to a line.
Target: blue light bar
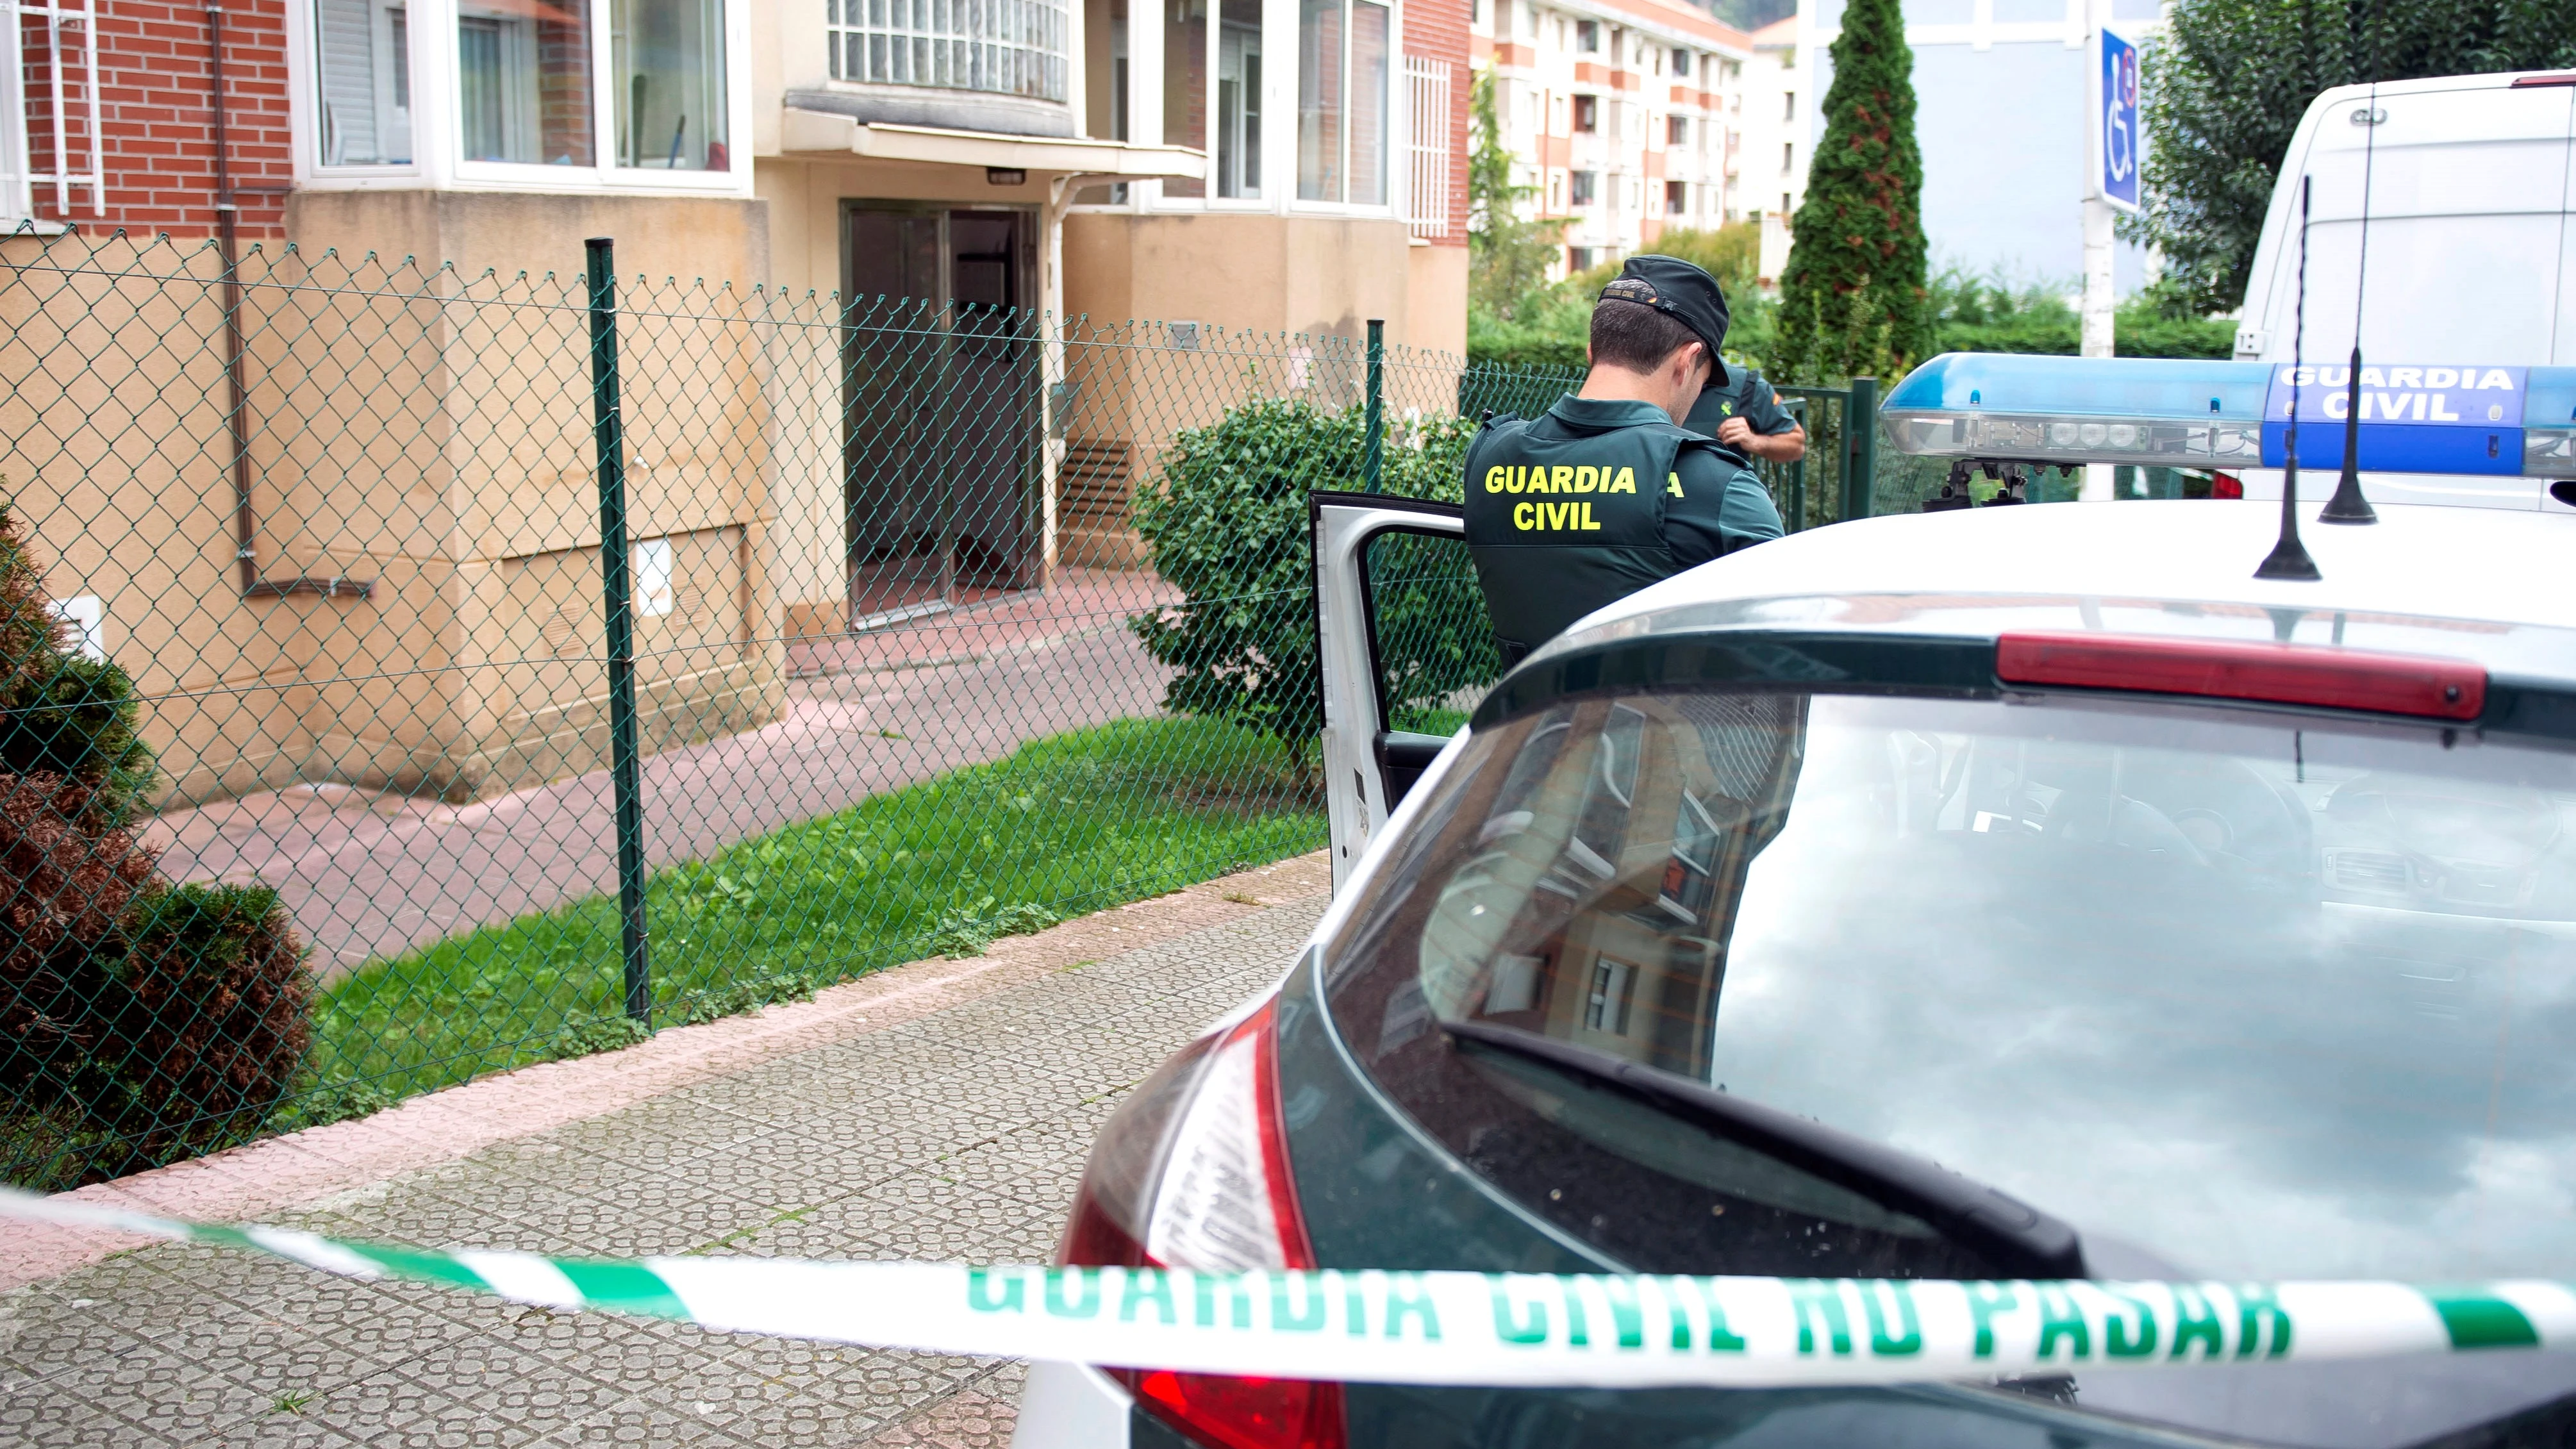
[{"x": 2163, "y": 413}]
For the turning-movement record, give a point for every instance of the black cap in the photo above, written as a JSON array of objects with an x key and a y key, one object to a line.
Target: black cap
[{"x": 1682, "y": 292}]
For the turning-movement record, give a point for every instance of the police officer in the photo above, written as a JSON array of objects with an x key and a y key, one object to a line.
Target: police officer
[
  {"x": 1745, "y": 414},
  {"x": 1608, "y": 492}
]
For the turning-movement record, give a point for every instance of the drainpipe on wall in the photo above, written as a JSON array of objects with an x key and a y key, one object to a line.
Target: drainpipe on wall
[{"x": 237, "y": 415}]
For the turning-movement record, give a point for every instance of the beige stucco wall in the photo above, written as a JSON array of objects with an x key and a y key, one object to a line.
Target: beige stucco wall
[
  {"x": 426, "y": 431},
  {"x": 1310, "y": 275},
  {"x": 1436, "y": 307}
]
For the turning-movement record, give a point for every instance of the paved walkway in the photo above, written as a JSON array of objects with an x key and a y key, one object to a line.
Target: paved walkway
[
  {"x": 368, "y": 874},
  {"x": 940, "y": 1110}
]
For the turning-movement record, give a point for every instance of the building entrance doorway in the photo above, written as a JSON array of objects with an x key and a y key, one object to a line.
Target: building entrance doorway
[{"x": 942, "y": 463}]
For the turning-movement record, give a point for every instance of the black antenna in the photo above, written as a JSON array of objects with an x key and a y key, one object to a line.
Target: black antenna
[
  {"x": 2347, "y": 505},
  {"x": 2289, "y": 557}
]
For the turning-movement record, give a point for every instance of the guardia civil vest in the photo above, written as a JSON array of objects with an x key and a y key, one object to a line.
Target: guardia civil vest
[{"x": 1561, "y": 527}]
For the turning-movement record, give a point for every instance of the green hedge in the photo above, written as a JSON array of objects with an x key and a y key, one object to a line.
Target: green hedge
[{"x": 1228, "y": 527}]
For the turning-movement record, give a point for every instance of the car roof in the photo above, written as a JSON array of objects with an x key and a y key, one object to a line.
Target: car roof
[{"x": 2481, "y": 567}]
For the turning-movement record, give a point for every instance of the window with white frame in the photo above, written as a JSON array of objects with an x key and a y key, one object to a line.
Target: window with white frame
[
  {"x": 524, "y": 86},
  {"x": 49, "y": 109},
  {"x": 1345, "y": 52},
  {"x": 1008, "y": 47},
  {"x": 1230, "y": 51},
  {"x": 362, "y": 82}
]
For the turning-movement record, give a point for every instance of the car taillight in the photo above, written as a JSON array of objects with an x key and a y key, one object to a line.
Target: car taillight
[
  {"x": 1193, "y": 1173},
  {"x": 2226, "y": 485}
]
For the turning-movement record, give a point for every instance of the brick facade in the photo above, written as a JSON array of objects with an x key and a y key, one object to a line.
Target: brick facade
[
  {"x": 156, "y": 119},
  {"x": 1437, "y": 29}
]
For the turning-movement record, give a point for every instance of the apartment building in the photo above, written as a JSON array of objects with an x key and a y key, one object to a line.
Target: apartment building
[
  {"x": 1627, "y": 116},
  {"x": 1778, "y": 139},
  {"x": 1003, "y": 159}
]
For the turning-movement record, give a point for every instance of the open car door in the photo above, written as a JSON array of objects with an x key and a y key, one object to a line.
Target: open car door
[{"x": 1405, "y": 647}]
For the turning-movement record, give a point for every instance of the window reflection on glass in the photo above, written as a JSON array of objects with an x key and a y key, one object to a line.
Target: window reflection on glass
[
  {"x": 363, "y": 73},
  {"x": 670, "y": 95},
  {"x": 1185, "y": 59},
  {"x": 1372, "y": 45},
  {"x": 1320, "y": 42},
  {"x": 523, "y": 82},
  {"x": 1238, "y": 99}
]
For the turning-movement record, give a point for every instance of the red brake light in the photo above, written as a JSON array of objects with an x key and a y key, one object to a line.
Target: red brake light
[
  {"x": 2228, "y": 669},
  {"x": 1194, "y": 1172},
  {"x": 2562, "y": 78},
  {"x": 1232, "y": 1413},
  {"x": 2226, "y": 485}
]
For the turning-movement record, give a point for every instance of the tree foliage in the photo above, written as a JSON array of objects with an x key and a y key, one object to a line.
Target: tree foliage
[
  {"x": 1987, "y": 314},
  {"x": 2225, "y": 86},
  {"x": 1853, "y": 296},
  {"x": 1507, "y": 254},
  {"x": 1228, "y": 528},
  {"x": 138, "y": 1018}
]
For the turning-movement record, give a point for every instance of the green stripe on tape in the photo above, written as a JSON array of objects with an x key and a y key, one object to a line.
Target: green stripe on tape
[
  {"x": 2482, "y": 1320},
  {"x": 419, "y": 1267},
  {"x": 624, "y": 1287}
]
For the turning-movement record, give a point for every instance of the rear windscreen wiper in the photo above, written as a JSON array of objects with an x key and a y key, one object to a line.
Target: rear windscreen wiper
[{"x": 2022, "y": 1241}]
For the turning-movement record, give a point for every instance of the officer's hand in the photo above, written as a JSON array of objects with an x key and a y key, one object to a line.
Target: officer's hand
[{"x": 1736, "y": 433}]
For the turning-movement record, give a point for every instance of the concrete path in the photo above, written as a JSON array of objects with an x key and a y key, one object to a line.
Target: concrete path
[
  {"x": 368, "y": 874},
  {"x": 936, "y": 1111}
]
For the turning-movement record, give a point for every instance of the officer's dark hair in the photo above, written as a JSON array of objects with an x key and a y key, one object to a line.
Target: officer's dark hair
[{"x": 1635, "y": 336}]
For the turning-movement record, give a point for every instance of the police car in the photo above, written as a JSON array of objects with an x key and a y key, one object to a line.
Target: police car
[
  {"x": 2009, "y": 892},
  {"x": 2436, "y": 236}
]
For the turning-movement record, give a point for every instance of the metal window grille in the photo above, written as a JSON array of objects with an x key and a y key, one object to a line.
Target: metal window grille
[
  {"x": 1427, "y": 145},
  {"x": 1007, "y": 47},
  {"x": 49, "y": 107}
]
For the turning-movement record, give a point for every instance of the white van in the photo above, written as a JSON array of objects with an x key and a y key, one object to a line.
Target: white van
[{"x": 2472, "y": 260}]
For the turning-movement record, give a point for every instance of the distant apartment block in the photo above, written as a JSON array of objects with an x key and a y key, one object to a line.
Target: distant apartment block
[{"x": 1626, "y": 118}]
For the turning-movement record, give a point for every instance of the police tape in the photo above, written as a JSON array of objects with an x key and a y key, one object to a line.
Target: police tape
[{"x": 1501, "y": 1329}]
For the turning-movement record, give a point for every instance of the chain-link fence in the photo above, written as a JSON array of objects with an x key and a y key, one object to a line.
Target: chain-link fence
[{"x": 363, "y": 732}]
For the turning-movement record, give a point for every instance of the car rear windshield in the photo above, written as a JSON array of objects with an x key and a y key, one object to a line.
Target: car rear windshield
[{"x": 2232, "y": 994}]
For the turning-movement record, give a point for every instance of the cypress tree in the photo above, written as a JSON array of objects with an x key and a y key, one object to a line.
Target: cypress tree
[{"x": 1853, "y": 298}]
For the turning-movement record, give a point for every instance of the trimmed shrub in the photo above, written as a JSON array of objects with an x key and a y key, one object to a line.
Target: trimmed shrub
[
  {"x": 138, "y": 1019},
  {"x": 1228, "y": 528}
]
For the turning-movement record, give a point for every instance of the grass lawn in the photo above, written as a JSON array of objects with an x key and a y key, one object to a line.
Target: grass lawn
[{"x": 1069, "y": 824}]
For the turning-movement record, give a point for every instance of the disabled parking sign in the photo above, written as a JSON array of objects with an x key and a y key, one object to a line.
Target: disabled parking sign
[{"x": 2115, "y": 123}]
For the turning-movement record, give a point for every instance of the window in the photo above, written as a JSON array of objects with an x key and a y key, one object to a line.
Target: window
[
  {"x": 362, "y": 76},
  {"x": 523, "y": 84},
  {"x": 1579, "y": 259},
  {"x": 1788, "y": 105},
  {"x": 1681, "y": 63},
  {"x": 1344, "y": 53},
  {"x": 1232, "y": 51},
  {"x": 1008, "y": 47},
  {"x": 1784, "y": 206},
  {"x": 1676, "y": 198},
  {"x": 1427, "y": 132},
  {"x": 1676, "y": 130},
  {"x": 1587, "y": 36},
  {"x": 1587, "y": 114},
  {"x": 669, "y": 60},
  {"x": 1788, "y": 156},
  {"x": 1584, "y": 181}
]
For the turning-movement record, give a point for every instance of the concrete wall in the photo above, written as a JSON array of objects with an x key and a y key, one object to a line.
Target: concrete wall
[{"x": 426, "y": 432}]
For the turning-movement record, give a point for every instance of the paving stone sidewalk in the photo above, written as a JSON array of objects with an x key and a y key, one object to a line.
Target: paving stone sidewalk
[{"x": 952, "y": 1124}]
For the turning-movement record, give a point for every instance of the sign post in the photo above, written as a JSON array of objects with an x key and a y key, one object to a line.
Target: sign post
[{"x": 2110, "y": 183}]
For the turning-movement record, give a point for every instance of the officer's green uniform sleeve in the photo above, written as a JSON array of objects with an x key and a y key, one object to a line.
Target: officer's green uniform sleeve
[
  {"x": 1722, "y": 508},
  {"x": 1761, "y": 408}
]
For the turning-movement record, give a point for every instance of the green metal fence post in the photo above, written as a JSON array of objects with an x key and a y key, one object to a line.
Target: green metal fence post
[
  {"x": 1860, "y": 447},
  {"x": 1797, "y": 519},
  {"x": 625, "y": 758},
  {"x": 1373, "y": 460}
]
